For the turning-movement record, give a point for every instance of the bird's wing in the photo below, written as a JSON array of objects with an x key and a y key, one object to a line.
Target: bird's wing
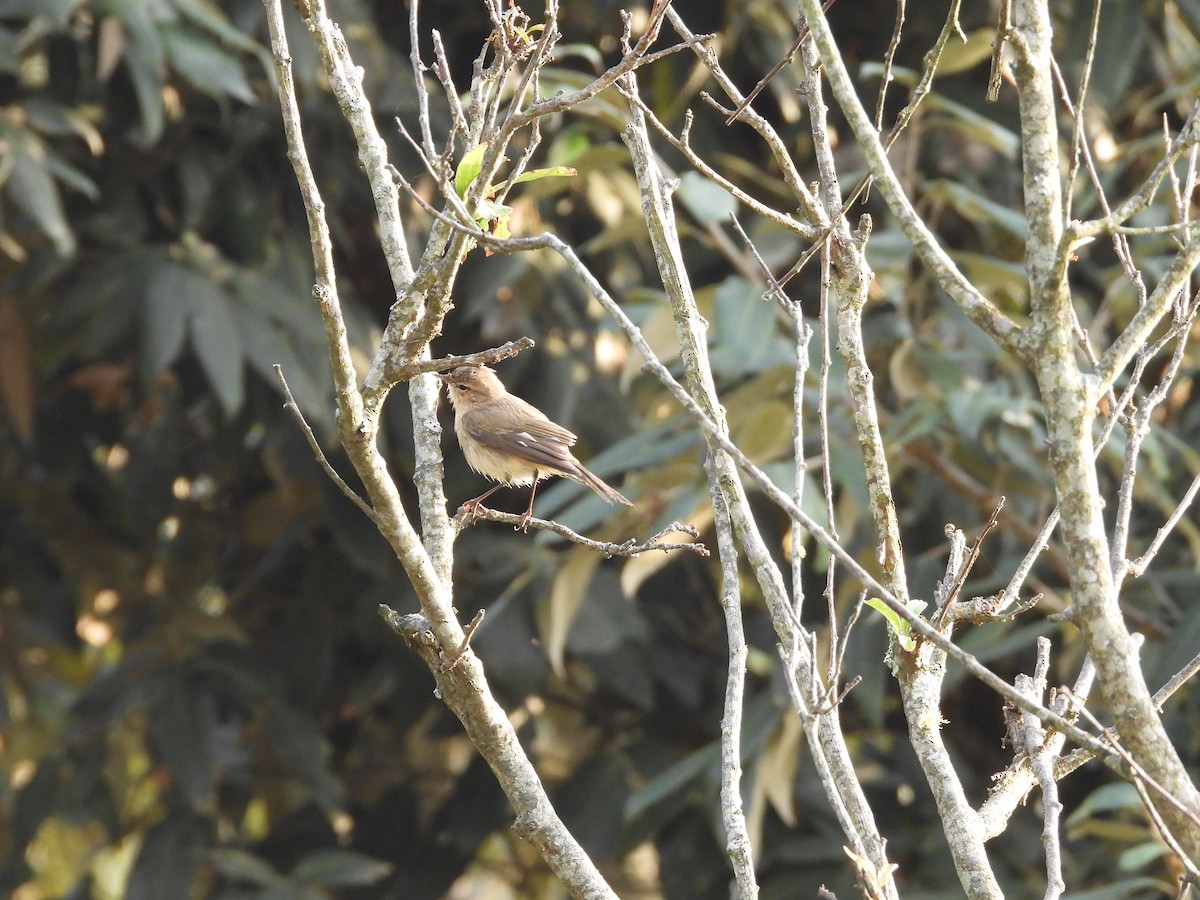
[{"x": 542, "y": 443}]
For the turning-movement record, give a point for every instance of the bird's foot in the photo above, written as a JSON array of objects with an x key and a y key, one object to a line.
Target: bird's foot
[{"x": 468, "y": 513}]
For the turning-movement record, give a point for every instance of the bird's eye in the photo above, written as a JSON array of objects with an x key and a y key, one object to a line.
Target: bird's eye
[{"x": 461, "y": 387}]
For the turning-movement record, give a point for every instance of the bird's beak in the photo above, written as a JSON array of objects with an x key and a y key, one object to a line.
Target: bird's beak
[{"x": 444, "y": 376}]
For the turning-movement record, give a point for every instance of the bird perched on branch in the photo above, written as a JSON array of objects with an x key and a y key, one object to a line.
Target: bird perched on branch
[{"x": 511, "y": 441}]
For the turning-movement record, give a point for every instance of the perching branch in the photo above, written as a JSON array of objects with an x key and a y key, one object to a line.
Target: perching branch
[{"x": 630, "y": 548}]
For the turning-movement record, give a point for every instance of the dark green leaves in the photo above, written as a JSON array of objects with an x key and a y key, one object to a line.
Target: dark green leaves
[{"x": 180, "y": 302}]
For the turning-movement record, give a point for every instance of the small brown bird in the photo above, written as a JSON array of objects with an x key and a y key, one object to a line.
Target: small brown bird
[{"x": 511, "y": 441}]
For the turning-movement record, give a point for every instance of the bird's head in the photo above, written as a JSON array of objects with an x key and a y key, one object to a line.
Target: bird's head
[{"x": 471, "y": 385}]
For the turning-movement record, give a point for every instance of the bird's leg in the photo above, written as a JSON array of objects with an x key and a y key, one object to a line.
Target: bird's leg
[
  {"x": 524, "y": 526},
  {"x": 472, "y": 506}
]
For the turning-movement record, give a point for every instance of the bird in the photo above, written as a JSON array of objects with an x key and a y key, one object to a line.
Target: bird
[{"x": 511, "y": 441}]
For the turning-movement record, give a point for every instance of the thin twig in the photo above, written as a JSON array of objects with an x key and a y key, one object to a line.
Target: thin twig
[
  {"x": 888, "y": 59},
  {"x": 337, "y": 479},
  {"x": 443, "y": 73},
  {"x": 781, "y": 150},
  {"x": 683, "y": 145},
  {"x": 940, "y": 618},
  {"x": 449, "y": 662},
  {"x": 1138, "y": 428},
  {"x": 1137, "y": 567},
  {"x": 767, "y": 485},
  {"x": 801, "y": 33},
  {"x": 1141, "y": 778},
  {"x": 1078, "y": 138}
]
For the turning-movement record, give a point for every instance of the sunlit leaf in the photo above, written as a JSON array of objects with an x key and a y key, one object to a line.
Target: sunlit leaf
[
  {"x": 49, "y": 118},
  {"x": 1142, "y": 855},
  {"x": 959, "y": 56},
  {"x": 488, "y": 210},
  {"x": 777, "y": 769},
  {"x": 898, "y": 625},
  {"x": 550, "y": 172},
  {"x": 469, "y": 168}
]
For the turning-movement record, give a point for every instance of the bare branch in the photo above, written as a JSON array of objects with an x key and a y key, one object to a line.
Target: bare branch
[
  {"x": 442, "y": 69},
  {"x": 994, "y": 76},
  {"x": 1042, "y": 762},
  {"x": 483, "y": 358},
  {"x": 733, "y": 815},
  {"x": 1139, "y": 200},
  {"x": 629, "y": 548},
  {"x": 965, "y": 570},
  {"x": 950, "y": 28}
]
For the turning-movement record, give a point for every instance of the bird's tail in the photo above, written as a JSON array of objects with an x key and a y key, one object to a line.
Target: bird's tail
[{"x": 609, "y": 493}]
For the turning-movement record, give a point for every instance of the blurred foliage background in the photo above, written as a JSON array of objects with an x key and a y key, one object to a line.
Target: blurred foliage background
[{"x": 198, "y": 696}]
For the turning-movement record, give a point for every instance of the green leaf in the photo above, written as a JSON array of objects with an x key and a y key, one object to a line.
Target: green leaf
[
  {"x": 469, "y": 168},
  {"x": 300, "y": 746},
  {"x": 167, "y": 861},
  {"x": 266, "y": 343},
  {"x": 339, "y": 868},
  {"x": 959, "y": 56},
  {"x": 1128, "y": 889},
  {"x": 670, "y": 786},
  {"x": 242, "y": 866},
  {"x": 31, "y": 188},
  {"x": 746, "y": 336},
  {"x": 57, "y": 12},
  {"x": 535, "y": 174},
  {"x": 165, "y": 315},
  {"x": 977, "y": 208},
  {"x": 206, "y": 66},
  {"x": 10, "y": 53},
  {"x": 899, "y": 626},
  {"x": 217, "y": 341},
  {"x": 489, "y": 210},
  {"x": 706, "y": 200},
  {"x": 209, "y": 17},
  {"x": 71, "y": 177},
  {"x": 1119, "y": 795},
  {"x": 184, "y": 729},
  {"x": 54, "y": 119},
  {"x": 974, "y": 126},
  {"x": 143, "y": 55},
  {"x": 1141, "y": 855}
]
